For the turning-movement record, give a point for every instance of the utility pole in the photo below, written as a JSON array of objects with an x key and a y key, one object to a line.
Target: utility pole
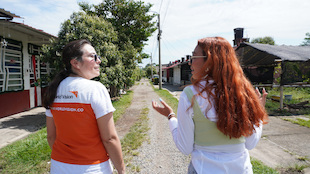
[
  {"x": 158, "y": 38},
  {"x": 151, "y": 67}
]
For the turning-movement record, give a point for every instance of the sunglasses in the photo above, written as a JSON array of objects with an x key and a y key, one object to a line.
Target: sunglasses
[
  {"x": 96, "y": 57},
  {"x": 195, "y": 57}
]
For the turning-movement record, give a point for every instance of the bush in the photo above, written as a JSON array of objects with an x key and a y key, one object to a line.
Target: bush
[{"x": 156, "y": 81}]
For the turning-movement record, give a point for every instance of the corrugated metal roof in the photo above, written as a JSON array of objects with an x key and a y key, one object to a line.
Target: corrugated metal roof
[
  {"x": 264, "y": 54},
  {"x": 37, "y": 36},
  {"x": 7, "y": 14}
]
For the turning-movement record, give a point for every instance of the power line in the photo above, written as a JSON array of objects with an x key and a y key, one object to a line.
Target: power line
[
  {"x": 174, "y": 50},
  {"x": 155, "y": 46},
  {"x": 166, "y": 13},
  {"x": 160, "y": 6}
]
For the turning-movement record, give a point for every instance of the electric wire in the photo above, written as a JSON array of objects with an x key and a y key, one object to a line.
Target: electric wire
[
  {"x": 161, "y": 3},
  {"x": 164, "y": 19}
]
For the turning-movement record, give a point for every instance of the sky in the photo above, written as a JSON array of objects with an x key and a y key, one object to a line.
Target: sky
[{"x": 183, "y": 22}]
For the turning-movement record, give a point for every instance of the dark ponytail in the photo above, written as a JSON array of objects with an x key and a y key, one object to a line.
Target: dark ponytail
[{"x": 72, "y": 50}]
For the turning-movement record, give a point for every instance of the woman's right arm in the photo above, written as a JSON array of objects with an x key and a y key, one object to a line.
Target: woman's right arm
[
  {"x": 111, "y": 141},
  {"x": 51, "y": 131},
  {"x": 183, "y": 135},
  {"x": 251, "y": 141}
]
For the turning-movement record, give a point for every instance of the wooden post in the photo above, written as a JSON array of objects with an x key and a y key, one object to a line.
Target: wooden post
[{"x": 281, "y": 97}]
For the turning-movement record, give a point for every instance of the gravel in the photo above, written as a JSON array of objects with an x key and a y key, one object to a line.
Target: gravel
[{"x": 159, "y": 154}]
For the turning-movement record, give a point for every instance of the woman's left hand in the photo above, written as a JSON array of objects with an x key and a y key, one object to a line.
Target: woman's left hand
[
  {"x": 166, "y": 110},
  {"x": 262, "y": 97}
]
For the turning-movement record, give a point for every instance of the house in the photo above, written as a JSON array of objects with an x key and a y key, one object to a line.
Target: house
[
  {"x": 22, "y": 75},
  {"x": 178, "y": 72},
  {"x": 259, "y": 61},
  {"x": 275, "y": 65}
]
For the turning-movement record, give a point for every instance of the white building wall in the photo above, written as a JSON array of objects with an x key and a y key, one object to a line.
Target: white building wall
[
  {"x": 164, "y": 76},
  {"x": 27, "y": 63},
  {"x": 176, "y": 75}
]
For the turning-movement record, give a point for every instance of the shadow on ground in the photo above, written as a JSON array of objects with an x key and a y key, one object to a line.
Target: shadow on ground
[{"x": 31, "y": 122}]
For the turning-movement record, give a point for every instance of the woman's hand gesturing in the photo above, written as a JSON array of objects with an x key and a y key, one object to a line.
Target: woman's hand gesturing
[
  {"x": 262, "y": 97},
  {"x": 166, "y": 110}
]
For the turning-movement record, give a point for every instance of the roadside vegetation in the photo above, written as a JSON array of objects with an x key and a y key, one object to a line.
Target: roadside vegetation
[
  {"x": 259, "y": 167},
  {"x": 134, "y": 139},
  {"x": 30, "y": 155},
  {"x": 121, "y": 104},
  {"x": 298, "y": 95},
  {"x": 305, "y": 121},
  {"x": 168, "y": 98}
]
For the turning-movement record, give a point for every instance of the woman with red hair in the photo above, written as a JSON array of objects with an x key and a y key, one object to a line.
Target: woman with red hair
[{"x": 220, "y": 116}]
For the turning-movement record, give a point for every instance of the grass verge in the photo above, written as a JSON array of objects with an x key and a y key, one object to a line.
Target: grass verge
[
  {"x": 134, "y": 139},
  {"x": 168, "y": 98},
  {"x": 259, "y": 167},
  {"x": 299, "y": 121},
  {"x": 122, "y": 104},
  {"x": 32, "y": 154}
]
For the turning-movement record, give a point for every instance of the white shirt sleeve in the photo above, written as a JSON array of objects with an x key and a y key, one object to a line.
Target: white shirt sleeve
[
  {"x": 48, "y": 113},
  {"x": 251, "y": 141},
  {"x": 182, "y": 129},
  {"x": 101, "y": 101}
]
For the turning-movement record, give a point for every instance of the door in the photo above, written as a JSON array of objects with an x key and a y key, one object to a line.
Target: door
[{"x": 34, "y": 64}]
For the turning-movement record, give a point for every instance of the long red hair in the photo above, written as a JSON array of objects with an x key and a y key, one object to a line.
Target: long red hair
[{"x": 236, "y": 102}]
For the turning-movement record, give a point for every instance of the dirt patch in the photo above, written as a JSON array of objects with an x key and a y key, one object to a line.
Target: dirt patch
[
  {"x": 290, "y": 171},
  {"x": 132, "y": 113}
]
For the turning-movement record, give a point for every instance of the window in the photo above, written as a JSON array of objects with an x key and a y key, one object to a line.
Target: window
[
  {"x": 42, "y": 69},
  {"x": 11, "y": 76}
]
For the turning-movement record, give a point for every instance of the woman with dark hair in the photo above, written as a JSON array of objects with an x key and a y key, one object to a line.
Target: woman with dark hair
[
  {"x": 80, "y": 126},
  {"x": 220, "y": 116}
]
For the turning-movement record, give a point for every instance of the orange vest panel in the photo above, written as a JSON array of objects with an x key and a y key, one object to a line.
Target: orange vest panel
[{"x": 78, "y": 138}]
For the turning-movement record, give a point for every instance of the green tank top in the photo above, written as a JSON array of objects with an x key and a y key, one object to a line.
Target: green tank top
[{"x": 206, "y": 132}]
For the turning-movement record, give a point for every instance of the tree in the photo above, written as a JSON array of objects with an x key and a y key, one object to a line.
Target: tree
[
  {"x": 264, "y": 40},
  {"x": 306, "y": 40},
  {"x": 148, "y": 68},
  {"x": 133, "y": 25},
  {"x": 102, "y": 36},
  {"x": 117, "y": 29},
  {"x": 130, "y": 19}
]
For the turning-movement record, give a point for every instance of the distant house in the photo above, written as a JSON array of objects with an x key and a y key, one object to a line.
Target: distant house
[
  {"x": 22, "y": 75},
  {"x": 178, "y": 72}
]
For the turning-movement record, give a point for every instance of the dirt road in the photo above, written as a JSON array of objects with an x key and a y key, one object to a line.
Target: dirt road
[{"x": 159, "y": 154}]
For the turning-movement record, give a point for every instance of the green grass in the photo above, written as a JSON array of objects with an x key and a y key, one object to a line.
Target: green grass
[
  {"x": 259, "y": 167},
  {"x": 134, "y": 139},
  {"x": 298, "y": 95},
  {"x": 32, "y": 154},
  {"x": 122, "y": 104},
  {"x": 300, "y": 121},
  {"x": 168, "y": 98}
]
